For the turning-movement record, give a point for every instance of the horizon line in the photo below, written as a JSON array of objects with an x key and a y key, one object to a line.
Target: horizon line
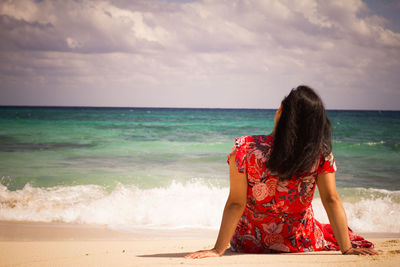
[{"x": 132, "y": 107}]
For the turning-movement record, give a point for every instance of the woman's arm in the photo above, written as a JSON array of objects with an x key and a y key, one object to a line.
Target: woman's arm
[
  {"x": 336, "y": 214},
  {"x": 233, "y": 210}
]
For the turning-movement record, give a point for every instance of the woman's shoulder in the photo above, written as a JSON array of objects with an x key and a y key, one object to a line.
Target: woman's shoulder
[
  {"x": 253, "y": 140},
  {"x": 252, "y": 144},
  {"x": 327, "y": 164},
  {"x": 248, "y": 148}
]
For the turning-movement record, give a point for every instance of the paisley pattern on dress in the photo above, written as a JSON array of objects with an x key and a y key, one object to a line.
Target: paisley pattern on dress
[{"x": 278, "y": 216}]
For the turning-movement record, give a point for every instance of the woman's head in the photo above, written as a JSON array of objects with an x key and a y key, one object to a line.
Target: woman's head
[{"x": 302, "y": 133}]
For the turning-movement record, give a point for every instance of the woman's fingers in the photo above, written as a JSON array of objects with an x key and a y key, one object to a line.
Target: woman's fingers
[
  {"x": 362, "y": 251},
  {"x": 370, "y": 251},
  {"x": 373, "y": 252},
  {"x": 202, "y": 254},
  {"x": 193, "y": 255},
  {"x": 197, "y": 255}
]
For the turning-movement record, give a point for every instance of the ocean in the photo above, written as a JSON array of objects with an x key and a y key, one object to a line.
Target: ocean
[{"x": 165, "y": 168}]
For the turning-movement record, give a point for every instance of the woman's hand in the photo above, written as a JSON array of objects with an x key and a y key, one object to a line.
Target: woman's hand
[
  {"x": 361, "y": 251},
  {"x": 203, "y": 254}
]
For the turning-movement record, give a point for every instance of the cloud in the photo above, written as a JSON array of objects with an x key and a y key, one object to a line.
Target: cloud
[
  {"x": 76, "y": 26},
  {"x": 196, "y": 53}
]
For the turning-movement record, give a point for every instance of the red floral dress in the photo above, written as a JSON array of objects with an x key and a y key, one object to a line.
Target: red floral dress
[{"x": 278, "y": 216}]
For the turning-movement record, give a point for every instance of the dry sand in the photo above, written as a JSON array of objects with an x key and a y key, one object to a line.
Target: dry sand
[{"x": 27, "y": 244}]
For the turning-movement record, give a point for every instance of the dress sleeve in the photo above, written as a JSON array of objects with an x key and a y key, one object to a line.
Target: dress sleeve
[
  {"x": 240, "y": 148},
  {"x": 328, "y": 164}
]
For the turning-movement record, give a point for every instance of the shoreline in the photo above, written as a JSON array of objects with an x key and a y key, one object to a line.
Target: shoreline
[
  {"x": 42, "y": 231},
  {"x": 55, "y": 244}
]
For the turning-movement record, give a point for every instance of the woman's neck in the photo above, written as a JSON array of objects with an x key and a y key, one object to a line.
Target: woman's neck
[{"x": 273, "y": 132}]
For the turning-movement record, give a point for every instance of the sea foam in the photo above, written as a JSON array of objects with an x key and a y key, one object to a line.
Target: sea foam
[{"x": 193, "y": 204}]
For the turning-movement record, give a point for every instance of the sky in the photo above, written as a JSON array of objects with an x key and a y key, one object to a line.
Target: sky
[{"x": 202, "y": 53}]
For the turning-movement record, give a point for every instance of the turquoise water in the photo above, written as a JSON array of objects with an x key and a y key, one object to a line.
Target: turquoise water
[
  {"x": 149, "y": 147},
  {"x": 63, "y": 152},
  {"x": 145, "y": 147}
]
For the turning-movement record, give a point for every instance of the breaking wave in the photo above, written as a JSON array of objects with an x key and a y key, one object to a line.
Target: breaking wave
[{"x": 193, "y": 204}]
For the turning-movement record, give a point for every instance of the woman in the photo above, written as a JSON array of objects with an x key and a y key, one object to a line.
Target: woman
[{"x": 272, "y": 184}]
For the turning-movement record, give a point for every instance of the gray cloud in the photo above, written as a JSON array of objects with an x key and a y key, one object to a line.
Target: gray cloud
[{"x": 196, "y": 53}]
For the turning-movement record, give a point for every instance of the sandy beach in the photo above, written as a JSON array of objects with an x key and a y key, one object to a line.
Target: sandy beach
[{"x": 35, "y": 244}]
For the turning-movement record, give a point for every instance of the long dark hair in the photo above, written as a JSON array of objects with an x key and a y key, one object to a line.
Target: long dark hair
[{"x": 302, "y": 134}]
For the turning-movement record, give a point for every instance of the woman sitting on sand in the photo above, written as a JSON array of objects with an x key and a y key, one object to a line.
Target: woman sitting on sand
[{"x": 272, "y": 184}]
